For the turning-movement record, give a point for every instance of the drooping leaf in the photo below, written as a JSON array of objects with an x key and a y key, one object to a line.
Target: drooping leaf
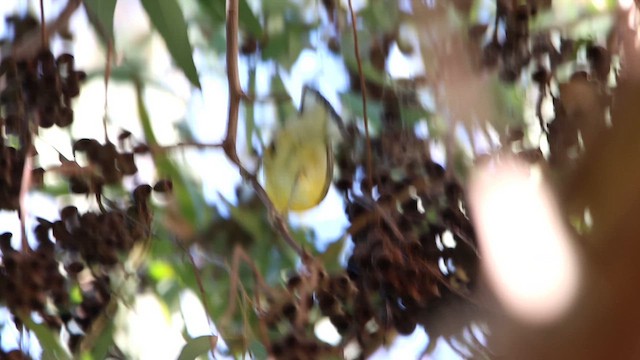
[
  {"x": 248, "y": 20},
  {"x": 196, "y": 347},
  {"x": 166, "y": 16},
  {"x": 100, "y": 13}
]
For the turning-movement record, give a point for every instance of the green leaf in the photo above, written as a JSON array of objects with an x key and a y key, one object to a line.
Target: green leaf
[
  {"x": 104, "y": 341},
  {"x": 52, "y": 349},
  {"x": 349, "y": 55},
  {"x": 509, "y": 105},
  {"x": 285, "y": 109},
  {"x": 411, "y": 115},
  {"x": 197, "y": 347},
  {"x": 368, "y": 70},
  {"x": 331, "y": 256},
  {"x": 161, "y": 270},
  {"x": 100, "y": 13},
  {"x": 353, "y": 102},
  {"x": 258, "y": 351},
  {"x": 250, "y": 221},
  {"x": 381, "y": 15},
  {"x": 166, "y": 16},
  {"x": 75, "y": 295},
  {"x": 249, "y": 119},
  {"x": 214, "y": 9},
  {"x": 286, "y": 46},
  {"x": 247, "y": 19}
]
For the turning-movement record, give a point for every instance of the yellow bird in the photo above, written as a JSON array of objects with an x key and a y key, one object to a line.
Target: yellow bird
[{"x": 298, "y": 165}]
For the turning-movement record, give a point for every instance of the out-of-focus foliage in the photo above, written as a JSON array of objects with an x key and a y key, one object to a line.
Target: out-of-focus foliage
[{"x": 491, "y": 78}]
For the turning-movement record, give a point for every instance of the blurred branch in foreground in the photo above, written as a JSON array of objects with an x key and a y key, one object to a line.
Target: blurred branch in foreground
[{"x": 604, "y": 321}]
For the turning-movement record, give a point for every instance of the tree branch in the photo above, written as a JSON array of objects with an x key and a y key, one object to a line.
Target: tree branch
[{"x": 229, "y": 143}]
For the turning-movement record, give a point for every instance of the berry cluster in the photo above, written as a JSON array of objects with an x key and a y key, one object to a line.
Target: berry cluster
[
  {"x": 38, "y": 92},
  {"x": 292, "y": 309},
  {"x": 30, "y": 278},
  {"x": 515, "y": 51},
  {"x": 414, "y": 247},
  {"x": 402, "y": 272},
  {"x": 80, "y": 249},
  {"x": 107, "y": 166},
  {"x": 12, "y": 162},
  {"x": 580, "y": 103},
  {"x": 99, "y": 237}
]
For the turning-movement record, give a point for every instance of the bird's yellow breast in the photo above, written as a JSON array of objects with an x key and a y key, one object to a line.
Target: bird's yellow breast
[{"x": 298, "y": 165}]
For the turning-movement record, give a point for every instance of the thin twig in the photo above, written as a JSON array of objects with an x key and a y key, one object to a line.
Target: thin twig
[
  {"x": 233, "y": 78},
  {"x": 363, "y": 89},
  {"x": 229, "y": 145}
]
